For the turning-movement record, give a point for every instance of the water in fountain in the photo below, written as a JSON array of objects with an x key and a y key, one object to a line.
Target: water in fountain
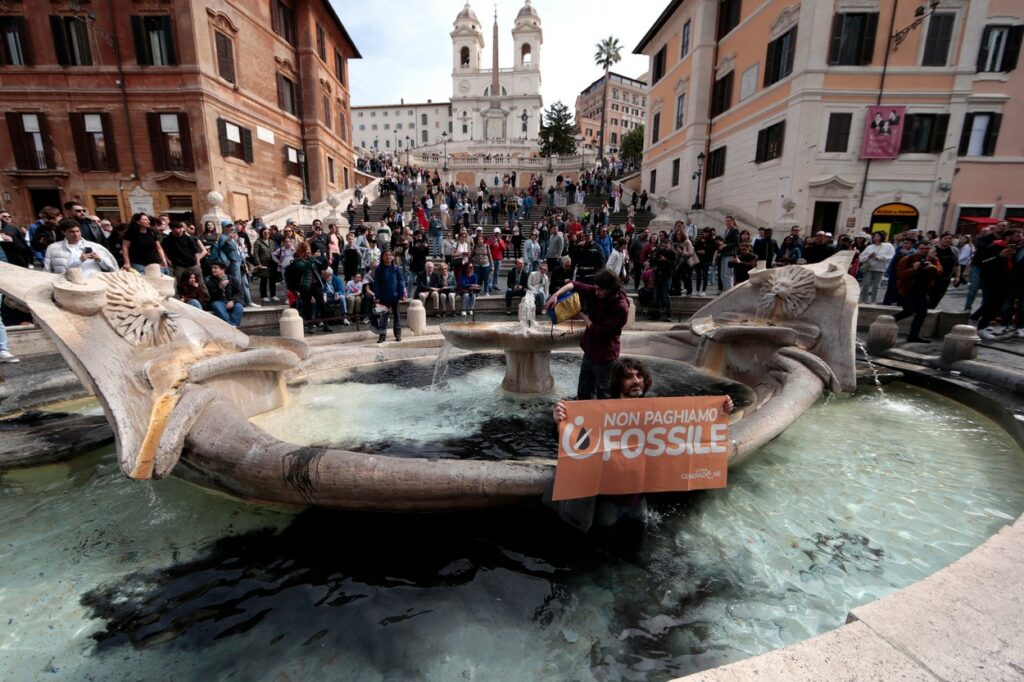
[
  {"x": 441, "y": 364},
  {"x": 871, "y": 365},
  {"x": 527, "y": 312}
]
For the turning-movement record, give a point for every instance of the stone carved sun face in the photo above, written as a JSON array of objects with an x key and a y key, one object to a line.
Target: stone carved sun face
[
  {"x": 787, "y": 293},
  {"x": 135, "y": 310}
]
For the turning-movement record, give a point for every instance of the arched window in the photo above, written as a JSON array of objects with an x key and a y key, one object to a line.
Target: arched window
[
  {"x": 526, "y": 55},
  {"x": 464, "y": 56}
]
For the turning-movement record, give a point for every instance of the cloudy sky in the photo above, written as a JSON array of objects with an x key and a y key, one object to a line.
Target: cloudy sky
[{"x": 407, "y": 51}]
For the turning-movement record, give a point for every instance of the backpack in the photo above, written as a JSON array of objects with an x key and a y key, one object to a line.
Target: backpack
[{"x": 217, "y": 254}]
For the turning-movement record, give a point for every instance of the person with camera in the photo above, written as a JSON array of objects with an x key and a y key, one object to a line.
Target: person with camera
[
  {"x": 225, "y": 295},
  {"x": 916, "y": 276},
  {"x": 75, "y": 252}
]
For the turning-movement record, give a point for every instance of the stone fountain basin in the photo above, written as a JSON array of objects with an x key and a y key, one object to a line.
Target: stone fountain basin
[{"x": 511, "y": 336}]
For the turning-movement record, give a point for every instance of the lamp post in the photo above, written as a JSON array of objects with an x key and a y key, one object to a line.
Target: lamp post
[
  {"x": 524, "y": 117},
  {"x": 375, "y": 139},
  {"x": 444, "y": 140},
  {"x": 305, "y": 183},
  {"x": 697, "y": 174},
  {"x": 408, "y": 145},
  {"x": 920, "y": 15}
]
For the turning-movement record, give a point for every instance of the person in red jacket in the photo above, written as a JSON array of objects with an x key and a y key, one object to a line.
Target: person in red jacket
[{"x": 608, "y": 309}]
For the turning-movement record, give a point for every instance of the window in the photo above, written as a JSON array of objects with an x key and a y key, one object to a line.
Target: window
[
  {"x": 291, "y": 162},
  {"x": 837, "y": 139},
  {"x": 344, "y": 174},
  {"x": 769, "y": 142},
  {"x": 675, "y": 172},
  {"x": 30, "y": 138},
  {"x": 423, "y": 136},
  {"x": 615, "y": 121},
  {"x": 654, "y": 181},
  {"x": 853, "y": 39},
  {"x": 387, "y": 143},
  {"x": 286, "y": 94},
  {"x": 728, "y": 16},
  {"x": 684, "y": 45},
  {"x": 680, "y": 110},
  {"x": 170, "y": 141},
  {"x": 321, "y": 43},
  {"x": 658, "y": 69},
  {"x": 339, "y": 67},
  {"x": 362, "y": 126},
  {"x": 716, "y": 163},
  {"x": 1000, "y": 48},
  {"x": 936, "y": 43},
  {"x": 105, "y": 206},
  {"x": 14, "y": 36},
  {"x": 423, "y": 119},
  {"x": 325, "y": 105},
  {"x": 981, "y": 130},
  {"x": 655, "y": 127},
  {"x": 387, "y": 126},
  {"x": 330, "y": 170},
  {"x": 779, "y": 61},
  {"x": 721, "y": 95},
  {"x": 464, "y": 57},
  {"x": 373, "y": 126},
  {"x": 235, "y": 140},
  {"x": 154, "y": 40},
  {"x": 282, "y": 20},
  {"x": 71, "y": 41},
  {"x": 526, "y": 55},
  {"x": 924, "y": 133},
  {"x": 225, "y": 57},
  {"x": 465, "y": 128},
  {"x": 94, "y": 142}
]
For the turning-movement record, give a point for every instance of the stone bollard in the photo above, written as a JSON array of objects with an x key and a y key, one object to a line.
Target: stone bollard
[
  {"x": 882, "y": 334},
  {"x": 631, "y": 315},
  {"x": 291, "y": 325},
  {"x": 961, "y": 343},
  {"x": 161, "y": 282},
  {"x": 417, "y": 317}
]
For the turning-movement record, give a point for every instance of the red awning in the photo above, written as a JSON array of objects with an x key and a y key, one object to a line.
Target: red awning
[
  {"x": 1016, "y": 220},
  {"x": 981, "y": 221}
]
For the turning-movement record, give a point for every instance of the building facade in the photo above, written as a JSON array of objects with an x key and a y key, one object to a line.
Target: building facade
[
  {"x": 625, "y": 110},
  {"x": 777, "y": 97},
  {"x": 390, "y": 127},
  {"x": 132, "y": 106}
]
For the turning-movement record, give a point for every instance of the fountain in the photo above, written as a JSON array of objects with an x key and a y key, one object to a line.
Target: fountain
[{"x": 526, "y": 344}]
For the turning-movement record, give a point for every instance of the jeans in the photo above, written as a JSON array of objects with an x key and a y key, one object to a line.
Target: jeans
[
  {"x": 914, "y": 303},
  {"x": 973, "y": 284},
  {"x": 662, "y": 300},
  {"x": 235, "y": 272},
  {"x": 194, "y": 303},
  {"x": 437, "y": 242},
  {"x": 595, "y": 380},
  {"x": 495, "y": 274},
  {"x": 509, "y": 294},
  {"x": 396, "y": 320},
  {"x": 484, "y": 272},
  {"x": 727, "y": 275},
  {"x": 3, "y": 330},
  {"x": 233, "y": 316},
  {"x": 702, "y": 275},
  {"x": 468, "y": 302},
  {"x": 869, "y": 285}
]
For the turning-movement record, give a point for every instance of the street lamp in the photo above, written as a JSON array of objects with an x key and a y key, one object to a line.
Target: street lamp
[
  {"x": 305, "y": 183},
  {"x": 408, "y": 145},
  {"x": 444, "y": 140},
  {"x": 375, "y": 139},
  {"x": 920, "y": 15},
  {"x": 697, "y": 176},
  {"x": 524, "y": 117}
]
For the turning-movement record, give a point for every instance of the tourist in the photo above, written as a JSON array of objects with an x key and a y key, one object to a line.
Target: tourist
[
  {"x": 498, "y": 247},
  {"x": 532, "y": 252},
  {"x": 141, "y": 246},
  {"x": 481, "y": 261},
  {"x": 446, "y": 291},
  {"x": 874, "y": 262},
  {"x": 303, "y": 279},
  {"x": 663, "y": 262},
  {"x": 892, "y": 292},
  {"x": 766, "y": 248},
  {"x": 354, "y": 294},
  {"x": 643, "y": 201},
  {"x": 389, "y": 290},
  {"x": 14, "y": 242},
  {"x": 266, "y": 267},
  {"x": 608, "y": 310},
  {"x": 820, "y": 249},
  {"x": 225, "y": 296},
  {"x": 618, "y": 261},
  {"x": 588, "y": 258},
  {"x": 428, "y": 286},
  {"x": 333, "y": 297},
  {"x": 43, "y": 232},
  {"x": 637, "y": 246},
  {"x": 183, "y": 251},
  {"x": 556, "y": 249},
  {"x": 75, "y": 252},
  {"x": 965, "y": 255},
  {"x": 6, "y": 356},
  {"x": 916, "y": 276},
  {"x": 470, "y": 286},
  {"x": 789, "y": 252},
  {"x": 538, "y": 284},
  {"x": 705, "y": 249},
  {"x": 515, "y": 287},
  {"x": 949, "y": 261},
  {"x": 191, "y": 290},
  {"x": 686, "y": 258},
  {"x": 742, "y": 263}
]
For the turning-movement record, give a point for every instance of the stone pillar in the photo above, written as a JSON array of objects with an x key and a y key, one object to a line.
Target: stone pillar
[
  {"x": 417, "y": 317},
  {"x": 882, "y": 334},
  {"x": 631, "y": 315},
  {"x": 161, "y": 282},
  {"x": 961, "y": 343},
  {"x": 216, "y": 213},
  {"x": 291, "y": 324}
]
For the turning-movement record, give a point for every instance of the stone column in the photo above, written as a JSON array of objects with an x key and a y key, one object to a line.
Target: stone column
[
  {"x": 417, "y": 317},
  {"x": 291, "y": 324},
  {"x": 882, "y": 334},
  {"x": 961, "y": 343}
]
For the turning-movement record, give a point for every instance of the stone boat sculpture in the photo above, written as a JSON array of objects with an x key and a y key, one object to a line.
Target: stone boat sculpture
[{"x": 178, "y": 385}]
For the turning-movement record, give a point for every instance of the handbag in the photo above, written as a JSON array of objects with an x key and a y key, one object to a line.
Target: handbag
[
  {"x": 566, "y": 307},
  {"x": 693, "y": 260}
]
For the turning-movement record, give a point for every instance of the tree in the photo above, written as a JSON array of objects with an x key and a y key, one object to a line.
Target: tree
[
  {"x": 609, "y": 53},
  {"x": 632, "y": 150},
  {"x": 557, "y": 132}
]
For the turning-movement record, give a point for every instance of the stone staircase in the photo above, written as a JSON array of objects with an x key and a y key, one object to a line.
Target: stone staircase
[{"x": 641, "y": 220}]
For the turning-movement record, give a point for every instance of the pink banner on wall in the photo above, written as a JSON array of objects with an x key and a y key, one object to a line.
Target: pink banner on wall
[{"x": 883, "y": 131}]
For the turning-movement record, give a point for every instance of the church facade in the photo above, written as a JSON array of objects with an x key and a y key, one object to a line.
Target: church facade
[{"x": 489, "y": 106}]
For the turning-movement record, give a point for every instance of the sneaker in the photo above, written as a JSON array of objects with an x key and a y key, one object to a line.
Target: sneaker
[
  {"x": 276, "y": 299},
  {"x": 987, "y": 333},
  {"x": 8, "y": 357},
  {"x": 1020, "y": 332},
  {"x": 997, "y": 328},
  {"x": 265, "y": 300},
  {"x": 345, "y": 322},
  {"x": 366, "y": 320},
  {"x": 463, "y": 313},
  {"x": 254, "y": 304}
]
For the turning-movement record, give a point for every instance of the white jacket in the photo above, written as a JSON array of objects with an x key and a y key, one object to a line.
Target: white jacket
[{"x": 59, "y": 257}]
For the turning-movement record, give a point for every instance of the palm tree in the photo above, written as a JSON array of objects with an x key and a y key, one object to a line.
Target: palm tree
[{"x": 609, "y": 53}]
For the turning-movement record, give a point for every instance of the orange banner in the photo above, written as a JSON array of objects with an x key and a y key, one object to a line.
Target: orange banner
[{"x": 641, "y": 445}]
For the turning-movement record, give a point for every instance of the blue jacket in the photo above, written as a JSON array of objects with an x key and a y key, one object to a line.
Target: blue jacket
[{"x": 388, "y": 284}]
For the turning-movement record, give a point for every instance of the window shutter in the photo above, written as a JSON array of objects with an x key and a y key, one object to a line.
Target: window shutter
[
  {"x": 17, "y": 131},
  {"x": 770, "y": 62},
  {"x": 26, "y": 44},
  {"x": 187, "y": 158},
  {"x": 868, "y": 46},
  {"x": 983, "y": 50},
  {"x": 222, "y": 135},
  {"x": 280, "y": 92},
  {"x": 992, "y": 134},
  {"x": 759, "y": 153},
  {"x": 142, "y": 56},
  {"x": 60, "y": 40},
  {"x": 965, "y": 135},
  {"x": 1012, "y": 50},
  {"x": 167, "y": 26},
  {"x": 44, "y": 132},
  {"x": 909, "y": 124},
  {"x": 247, "y": 145},
  {"x": 938, "y": 140},
  {"x": 108, "y": 139},
  {"x": 156, "y": 140},
  {"x": 78, "y": 136},
  {"x": 837, "y": 39},
  {"x": 790, "y": 57},
  {"x": 275, "y": 22}
]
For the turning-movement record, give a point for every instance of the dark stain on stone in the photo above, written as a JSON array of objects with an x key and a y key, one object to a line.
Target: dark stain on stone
[{"x": 299, "y": 469}]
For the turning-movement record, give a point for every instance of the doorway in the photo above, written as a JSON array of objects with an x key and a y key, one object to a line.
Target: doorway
[
  {"x": 826, "y": 216},
  {"x": 41, "y": 197},
  {"x": 892, "y": 219}
]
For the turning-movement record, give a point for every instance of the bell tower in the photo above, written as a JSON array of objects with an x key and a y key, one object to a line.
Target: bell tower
[{"x": 467, "y": 43}]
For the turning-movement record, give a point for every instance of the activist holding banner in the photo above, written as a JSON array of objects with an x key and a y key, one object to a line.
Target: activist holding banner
[
  {"x": 630, "y": 380},
  {"x": 608, "y": 309}
]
